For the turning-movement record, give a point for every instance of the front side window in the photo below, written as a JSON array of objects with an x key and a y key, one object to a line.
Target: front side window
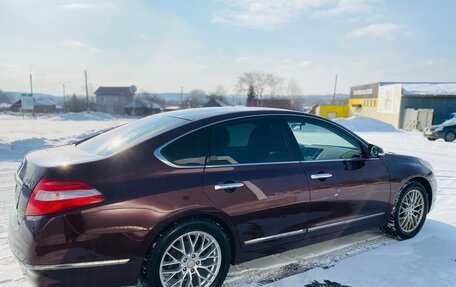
[
  {"x": 189, "y": 150},
  {"x": 317, "y": 140},
  {"x": 257, "y": 140}
]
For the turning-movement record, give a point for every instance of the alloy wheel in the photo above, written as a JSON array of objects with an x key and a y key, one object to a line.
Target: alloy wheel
[
  {"x": 192, "y": 260},
  {"x": 411, "y": 210}
]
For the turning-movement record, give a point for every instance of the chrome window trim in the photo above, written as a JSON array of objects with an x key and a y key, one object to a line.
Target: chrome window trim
[
  {"x": 76, "y": 265},
  {"x": 251, "y": 164},
  {"x": 310, "y": 229},
  {"x": 159, "y": 155},
  {"x": 338, "y": 160}
]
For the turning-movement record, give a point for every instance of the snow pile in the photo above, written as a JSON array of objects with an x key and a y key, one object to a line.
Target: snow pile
[
  {"x": 365, "y": 124},
  {"x": 83, "y": 116}
]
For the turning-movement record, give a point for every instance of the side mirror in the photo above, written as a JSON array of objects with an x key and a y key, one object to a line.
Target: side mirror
[{"x": 375, "y": 151}]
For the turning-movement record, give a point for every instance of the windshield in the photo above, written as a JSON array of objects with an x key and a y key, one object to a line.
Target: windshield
[{"x": 128, "y": 135}]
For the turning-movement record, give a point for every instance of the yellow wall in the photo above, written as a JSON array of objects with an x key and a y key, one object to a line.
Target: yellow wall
[
  {"x": 338, "y": 111},
  {"x": 367, "y": 102},
  {"x": 367, "y": 107}
]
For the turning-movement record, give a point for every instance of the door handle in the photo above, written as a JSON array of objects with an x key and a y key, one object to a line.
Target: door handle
[
  {"x": 321, "y": 175},
  {"x": 228, "y": 186}
]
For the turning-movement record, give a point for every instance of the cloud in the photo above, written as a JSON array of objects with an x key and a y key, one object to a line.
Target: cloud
[
  {"x": 433, "y": 62},
  {"x": 347, "y": 6},
  {"x": 306, "y": 64},
  {"x": 76, "y": 6},
  {"x": 384, "y": 31},
  {"x": 10, "y": 66},
  {"x": 78, "y": 45},
  {"x": 262, "y": 13}
]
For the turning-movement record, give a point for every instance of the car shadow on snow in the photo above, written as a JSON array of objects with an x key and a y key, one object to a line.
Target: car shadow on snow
[
  {"x": 435, "y": 242},
  {"x": 325, "y": 283}
]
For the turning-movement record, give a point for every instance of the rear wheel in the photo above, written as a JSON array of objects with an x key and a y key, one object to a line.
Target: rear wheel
[
  {"x": 450, "y": 136},
  {"x": 195, "y": 252},
  {"x": 409, "y": 212}
]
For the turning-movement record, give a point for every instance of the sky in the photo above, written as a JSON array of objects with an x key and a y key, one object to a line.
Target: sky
[{"x": 161, "y": 46}]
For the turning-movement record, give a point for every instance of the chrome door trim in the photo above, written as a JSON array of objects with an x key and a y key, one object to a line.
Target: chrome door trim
[
  {"x": 230, "y": 185},
  {"x": 158, "y": 155},
  {"x": 76, "y": 265},
  {"x": 315, "y": 228},
  {"x": 321, "y": 175},
  {"x": 310, "y": 229},
  {"x": 277, "y": 236}
]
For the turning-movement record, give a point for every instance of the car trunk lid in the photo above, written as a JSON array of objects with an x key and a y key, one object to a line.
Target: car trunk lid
[{"x": 37, "y": 164}]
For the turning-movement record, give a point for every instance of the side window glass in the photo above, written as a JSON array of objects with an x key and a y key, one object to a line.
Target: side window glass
[
  {"x": 189, "y": 150},
  {"x": 319, "y": 141},
  {"x": 248, "y": 141}
]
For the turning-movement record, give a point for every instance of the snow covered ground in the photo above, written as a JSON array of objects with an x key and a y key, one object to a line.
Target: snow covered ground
[{"x": 362, "y": 259}]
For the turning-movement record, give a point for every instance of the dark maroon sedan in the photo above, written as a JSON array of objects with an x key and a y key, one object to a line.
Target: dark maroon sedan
[{"x": 173, "y": 199}]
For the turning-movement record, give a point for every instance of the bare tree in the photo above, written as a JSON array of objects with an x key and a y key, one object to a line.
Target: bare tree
[
  {"x": 293, "y": 90},
  {"x": 197, "y": 98},
  {"x": 276, "y": 84},
  {"x": 219, "y": 94},
  {"x": 220, "y": 91},
  {"x": 253, "y": 83}
]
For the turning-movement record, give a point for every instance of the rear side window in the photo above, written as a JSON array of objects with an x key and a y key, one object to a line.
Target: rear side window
[
  {"x": 128, "y": 135},
  {"x": 189, "y": 150},
  {"x": 257, "y": 140}
]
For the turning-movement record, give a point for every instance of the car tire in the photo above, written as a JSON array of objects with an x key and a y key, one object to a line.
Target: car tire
[
  {"x": 403, "y": 223},
  {"x": 450, "y": 137},
  {"x": 195, "y": 233}
]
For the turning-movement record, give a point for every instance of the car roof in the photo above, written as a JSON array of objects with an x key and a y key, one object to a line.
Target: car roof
[{"x": 206, "y": 113}]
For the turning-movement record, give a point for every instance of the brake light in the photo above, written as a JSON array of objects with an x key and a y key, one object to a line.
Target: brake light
[{"x": 52, "y": 195}]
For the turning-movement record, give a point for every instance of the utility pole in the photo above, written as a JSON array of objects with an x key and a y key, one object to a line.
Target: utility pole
[
  {"x": 64, "y": 99},
  {"x": 335, "y": 90},
  {"x": 182, "y": 90},
  {"x": 31, "y": 93},
  {"x": 87, "y": 92}
]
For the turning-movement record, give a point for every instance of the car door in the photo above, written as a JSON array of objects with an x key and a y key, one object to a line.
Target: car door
[
  {"x": 347, "y": 188},
  {"x": 251, "y": 176}
]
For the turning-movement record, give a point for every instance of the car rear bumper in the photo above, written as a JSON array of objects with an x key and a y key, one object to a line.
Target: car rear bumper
[
  {"x": 107, "y": 274},
  {"x": 53, "y": 260}
]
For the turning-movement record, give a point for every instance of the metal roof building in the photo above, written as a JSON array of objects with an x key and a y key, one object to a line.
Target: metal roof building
[{"x": 406, "y": 105}]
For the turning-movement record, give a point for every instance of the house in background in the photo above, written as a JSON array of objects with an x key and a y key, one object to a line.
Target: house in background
[
  {"x": 40, "y": 105},
  {"x": 214, "y": 102},
  {"x": 141, "y": 107},
  {"x": 112, "y": 100}
]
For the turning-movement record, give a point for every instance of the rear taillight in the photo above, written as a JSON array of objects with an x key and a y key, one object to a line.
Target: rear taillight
[{"x": 52, "y": 195}]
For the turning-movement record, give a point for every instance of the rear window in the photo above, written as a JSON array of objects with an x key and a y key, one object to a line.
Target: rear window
[{"x": 131, "y": 134}]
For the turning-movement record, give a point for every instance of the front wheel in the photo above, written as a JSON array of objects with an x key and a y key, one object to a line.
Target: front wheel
[
  {"x": 409, "y": 212},
  {"x": 450, "y": 137},
  {"x": 194, "y": 252}
]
